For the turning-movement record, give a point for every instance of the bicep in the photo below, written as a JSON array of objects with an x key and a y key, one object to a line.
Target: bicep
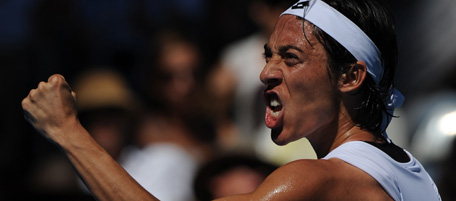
[{"x": 301, "y": 180}]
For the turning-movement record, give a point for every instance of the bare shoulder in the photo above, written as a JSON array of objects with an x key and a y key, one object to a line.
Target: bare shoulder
[{"x": 331, "y": 179}]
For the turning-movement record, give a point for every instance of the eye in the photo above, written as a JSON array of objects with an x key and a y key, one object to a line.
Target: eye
[
  {"x": 290, "y": 56},
  {"x": 290, "y": 59}
]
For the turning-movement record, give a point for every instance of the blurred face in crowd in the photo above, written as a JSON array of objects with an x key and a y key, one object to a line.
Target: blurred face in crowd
[
  {"x": 300, "y": 95},
  {"x": 179, "y": 61}
]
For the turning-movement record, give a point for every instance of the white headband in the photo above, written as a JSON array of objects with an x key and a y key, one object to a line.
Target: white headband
[
  {"x": 343, "y": 31},
  {"x": 350, "y": 36}
]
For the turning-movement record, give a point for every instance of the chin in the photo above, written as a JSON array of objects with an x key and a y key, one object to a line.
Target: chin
[{"x": 277, "y": 137}]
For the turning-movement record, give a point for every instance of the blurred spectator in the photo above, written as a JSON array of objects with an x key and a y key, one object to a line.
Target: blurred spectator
[
  {"x": 175, "y": 91},
  {"x": 175, "y": 135},
  {"x": 230, "y": 175},
  {"x": 220, "y": 96},
  {"x": 107, "y": 108}
]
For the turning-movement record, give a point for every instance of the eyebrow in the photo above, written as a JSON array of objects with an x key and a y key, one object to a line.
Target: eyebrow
[
  {"x": 285, "y": 48},
  {"x": 282, "y": 49}
]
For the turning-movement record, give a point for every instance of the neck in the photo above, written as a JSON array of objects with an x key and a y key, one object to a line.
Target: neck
[
  {"x": 342, "y": 129},
  {"x": 342, "y": 132},
  {"x": 354, "y": 134}
]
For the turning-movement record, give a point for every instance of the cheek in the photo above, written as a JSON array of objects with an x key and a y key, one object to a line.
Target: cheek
[
  {"x": 314, "y": 101},
  {"x": 312, "y": 89}
]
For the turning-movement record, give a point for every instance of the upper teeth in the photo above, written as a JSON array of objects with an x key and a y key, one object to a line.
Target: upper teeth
[{"x": 275, "y": 103}]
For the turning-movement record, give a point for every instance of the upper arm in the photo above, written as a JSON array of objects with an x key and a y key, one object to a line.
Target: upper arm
[
  {"x": 331, "y": 179},
  {"x": 298, "y": 180}
]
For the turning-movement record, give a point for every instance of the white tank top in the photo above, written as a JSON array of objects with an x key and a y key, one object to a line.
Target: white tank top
[{"x": 402, "y": 181}]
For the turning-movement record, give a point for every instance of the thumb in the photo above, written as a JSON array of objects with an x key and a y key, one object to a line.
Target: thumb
[{"x": 56, "y": 77}]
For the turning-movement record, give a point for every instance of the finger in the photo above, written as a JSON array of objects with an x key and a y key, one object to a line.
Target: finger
[
  {"x": 41, "y": 85},
  {"x": 59, "y": 81},
  {"x": 26, "y": 102},
  {"x": 56, "y": 78},
  {"x": 27, "y": 105},
  {"x": 31, "y": 95}
]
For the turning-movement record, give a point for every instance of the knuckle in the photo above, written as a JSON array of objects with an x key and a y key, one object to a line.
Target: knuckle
[
  {"x": 32, "y": 94},
  {"x": 24, "y": 103},
  {"x": 56, "y": 78},
  {"x": 41, "y": 85}
]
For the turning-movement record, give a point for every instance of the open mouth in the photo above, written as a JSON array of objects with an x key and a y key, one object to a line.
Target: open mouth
[
  {"x": 275, "y": 105},
  {"x": 273, "y": 109}
]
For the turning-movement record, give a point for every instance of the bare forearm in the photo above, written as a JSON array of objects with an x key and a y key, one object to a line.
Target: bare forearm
[
  {"x": 51, "y": 110},
  {"x": 105, "y": 178}
]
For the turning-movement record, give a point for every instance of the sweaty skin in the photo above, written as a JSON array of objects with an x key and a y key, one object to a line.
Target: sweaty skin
[{"x": 312, "y": 104}]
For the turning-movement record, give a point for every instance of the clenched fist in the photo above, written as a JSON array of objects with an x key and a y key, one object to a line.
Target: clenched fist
[{"x": 51, "y": 108}]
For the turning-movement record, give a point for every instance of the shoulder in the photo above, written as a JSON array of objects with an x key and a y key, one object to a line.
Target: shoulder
[
  {"x": 321, "y": 179},
  {"x": 303, "y": 179}
]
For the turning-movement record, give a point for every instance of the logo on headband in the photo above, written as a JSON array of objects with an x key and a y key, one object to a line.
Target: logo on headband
[{"x": 300, "y": 5}]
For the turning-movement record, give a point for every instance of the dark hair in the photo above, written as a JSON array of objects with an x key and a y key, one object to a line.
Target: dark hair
[{"x": 375, "y": 19}]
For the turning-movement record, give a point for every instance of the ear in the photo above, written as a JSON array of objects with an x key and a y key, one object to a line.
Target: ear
[{"x": 352, "y": 80}]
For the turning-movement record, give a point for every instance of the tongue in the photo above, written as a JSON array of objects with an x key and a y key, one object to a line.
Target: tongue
[{"x": 272, "y": 120}]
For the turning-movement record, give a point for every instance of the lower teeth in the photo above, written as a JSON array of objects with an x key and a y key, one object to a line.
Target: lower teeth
[{"x": 274, "y": 114}]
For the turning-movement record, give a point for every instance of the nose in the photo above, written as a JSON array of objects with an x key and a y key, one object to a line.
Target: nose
[{"x": 271, "y": 74}]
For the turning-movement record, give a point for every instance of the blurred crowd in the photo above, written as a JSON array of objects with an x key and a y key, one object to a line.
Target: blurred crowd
[{"x": 171, "y": 90}]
